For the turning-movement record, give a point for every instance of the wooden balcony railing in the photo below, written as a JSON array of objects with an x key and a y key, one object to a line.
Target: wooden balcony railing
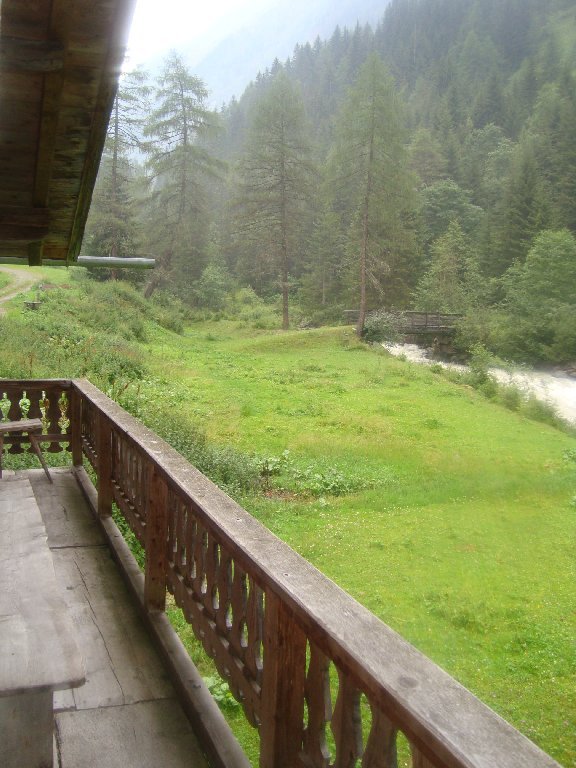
[{"x": 326, "y": 683}]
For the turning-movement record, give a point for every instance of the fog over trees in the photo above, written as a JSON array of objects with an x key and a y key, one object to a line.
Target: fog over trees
[{"x": 426, "y": 162}]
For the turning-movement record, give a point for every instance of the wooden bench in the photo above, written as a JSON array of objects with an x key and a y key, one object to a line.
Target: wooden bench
[
  {"x": 33, "y": 428},
  {"x": 38, "y": 651}
]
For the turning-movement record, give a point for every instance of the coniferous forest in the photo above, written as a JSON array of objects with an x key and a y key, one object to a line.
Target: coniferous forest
[{"x": 427, "y": 163}]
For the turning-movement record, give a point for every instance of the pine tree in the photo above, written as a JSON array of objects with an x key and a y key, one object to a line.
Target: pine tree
[
  {"x": 375, "y": 186},
  {"x": 275, "y": 185}
]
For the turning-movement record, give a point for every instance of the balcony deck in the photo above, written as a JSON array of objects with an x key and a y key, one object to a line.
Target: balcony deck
[{"x": 127, "y": 713}]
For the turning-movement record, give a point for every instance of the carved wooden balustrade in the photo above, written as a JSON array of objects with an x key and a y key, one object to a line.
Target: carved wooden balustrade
[
  {"x": 327, "y": 684},
  {"x": 48, "y": 400}
]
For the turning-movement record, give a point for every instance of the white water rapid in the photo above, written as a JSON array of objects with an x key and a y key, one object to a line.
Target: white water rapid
[{"x": 557, "y": 389}]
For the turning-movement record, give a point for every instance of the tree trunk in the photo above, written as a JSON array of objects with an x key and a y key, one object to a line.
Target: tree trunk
[
  {"x": 363, "y": 270},
  {"x": 366, "y": 224}
]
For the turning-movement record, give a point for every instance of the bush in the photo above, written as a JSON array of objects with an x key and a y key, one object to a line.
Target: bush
[
  {"x": 248, "y": 308},
  {"x": 382, "y": 325},
  {"x": 212, "y": 288},
  {"x": 479, "y": 364},
  {"x": 309, "y": 480},
  {"x": 511, "y": 397},
  {"x": 228, "y": 468},
  {"x": 537, "y": 410}
]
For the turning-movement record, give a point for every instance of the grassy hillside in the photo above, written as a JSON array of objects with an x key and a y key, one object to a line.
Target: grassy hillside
[{"x": 447, "y": 515}]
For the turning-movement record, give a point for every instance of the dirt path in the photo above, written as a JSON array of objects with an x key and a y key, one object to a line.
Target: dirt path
[{"x": 21, "y": 281}]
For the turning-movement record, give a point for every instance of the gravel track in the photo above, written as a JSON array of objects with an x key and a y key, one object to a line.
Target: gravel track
[{"x": 21, "y": 282}]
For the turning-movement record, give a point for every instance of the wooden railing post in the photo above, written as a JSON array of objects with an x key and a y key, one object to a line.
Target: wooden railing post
[
  {"x": 76, "y": 427},
  {"x": 156, "y": 542},
  {"x": 419, "y": 760},
  {"x": 283, "y": 683},
  {"x": 104, "y": 452}
]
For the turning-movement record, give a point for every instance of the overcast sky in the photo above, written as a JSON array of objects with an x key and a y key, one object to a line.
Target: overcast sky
[{"x": 159, "y": 26}]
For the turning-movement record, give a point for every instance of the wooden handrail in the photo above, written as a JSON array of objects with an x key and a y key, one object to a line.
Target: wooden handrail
[{"x": 299, "y": 653}]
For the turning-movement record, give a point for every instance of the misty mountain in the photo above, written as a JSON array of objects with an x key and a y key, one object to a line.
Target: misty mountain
[{"x": 237, "y": 58}]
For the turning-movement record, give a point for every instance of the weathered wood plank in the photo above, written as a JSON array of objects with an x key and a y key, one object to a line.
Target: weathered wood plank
[
  {"x": 60, "y": 62},
  {"x": 381, "y": 749},
  {"x": 283, "y": 684},
  {"x": 145, "y": 734},
  {"x": 24, "y": 223},
  {"x": 37, "y": 648},
  {"x": 30, "y": 55},
  {"x": 26, "y": 730},
  {"x": 121, "y": 665},
  {"x": 156, "y": 536},
  {"x": 104, "y": 451},
  {"x": 64, "y": 513},
  {"x": 347, "y": 723}
]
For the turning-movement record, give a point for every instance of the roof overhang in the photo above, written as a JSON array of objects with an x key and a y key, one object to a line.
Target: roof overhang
[{"x": 59, "y": 66}]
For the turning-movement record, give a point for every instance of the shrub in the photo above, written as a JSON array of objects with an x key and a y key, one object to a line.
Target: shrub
[
  {"x": 511, "y": 397},
  {"x": 538, "y": 410},
  {"x": 479, "y": 364},
  {"x": 309, "y": 480},
  {"x": 248, "y": 308},
  {"x": 382, "y": 325}
]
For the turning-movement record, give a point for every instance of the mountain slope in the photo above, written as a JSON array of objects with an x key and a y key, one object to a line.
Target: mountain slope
[{"x": 237, "y": 59}]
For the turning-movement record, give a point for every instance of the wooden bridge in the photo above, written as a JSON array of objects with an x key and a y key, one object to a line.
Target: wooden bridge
[
  {"x": 427, "y": 329},
  {"x": 425, "y": 323},
  {"x": 309, "y": 665},
  {"x": 430, "y": 329}
]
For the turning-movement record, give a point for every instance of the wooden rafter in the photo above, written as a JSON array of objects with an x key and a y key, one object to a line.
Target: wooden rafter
[
  {"x": 23, "y": 224},
  {"x": 30, "y": 56},
  {"x": 59, "y": 66}
]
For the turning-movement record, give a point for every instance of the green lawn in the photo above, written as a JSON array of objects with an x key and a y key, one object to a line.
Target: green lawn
[{"x": 453, "y": 522}]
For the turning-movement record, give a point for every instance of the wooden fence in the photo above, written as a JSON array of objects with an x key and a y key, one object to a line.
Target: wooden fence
[{"x": 327, "y": 684}]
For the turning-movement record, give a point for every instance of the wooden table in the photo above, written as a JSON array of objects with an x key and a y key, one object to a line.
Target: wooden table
[
  {"x": 33, "y": 428},
  {"x": 38, "y": 651}
]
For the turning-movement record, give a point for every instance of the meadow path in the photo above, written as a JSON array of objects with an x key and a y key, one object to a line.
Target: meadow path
[{"x": 21, "y": 281}]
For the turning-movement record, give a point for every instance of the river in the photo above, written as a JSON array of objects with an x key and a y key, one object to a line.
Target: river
[{"x": 557, "y": 389}]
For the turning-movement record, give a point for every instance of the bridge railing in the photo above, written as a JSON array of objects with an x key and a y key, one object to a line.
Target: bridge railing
[
  {"x": 325, "y": 682},
  {"x": 429, "y": 321}
]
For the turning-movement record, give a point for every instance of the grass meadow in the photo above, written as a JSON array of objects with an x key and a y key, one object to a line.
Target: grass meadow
[{"x": 447, "y": 515}]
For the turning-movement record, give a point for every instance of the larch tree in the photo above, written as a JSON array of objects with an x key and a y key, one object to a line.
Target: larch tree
[
  {"x": 179, "y": 164},
  {"x": 276, "y": 176},
  {"x": 375, "y": 187}
]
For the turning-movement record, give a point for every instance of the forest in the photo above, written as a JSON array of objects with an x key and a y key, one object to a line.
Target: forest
[{"x": 427, "y": 163}]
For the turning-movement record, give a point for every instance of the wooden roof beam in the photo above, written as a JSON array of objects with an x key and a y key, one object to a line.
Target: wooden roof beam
[
  {"x": 23, "y": 224},
  {"x": 18, "y": 55}
]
